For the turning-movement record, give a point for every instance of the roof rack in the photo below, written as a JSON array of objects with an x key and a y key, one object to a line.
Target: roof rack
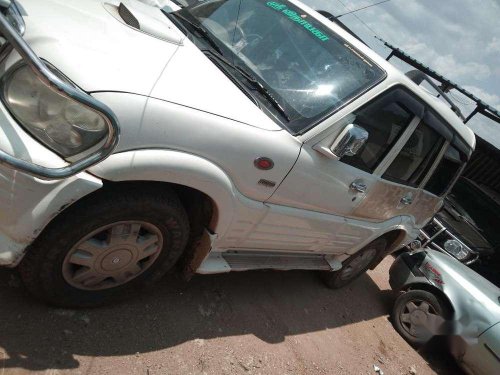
[{"x": 424, "y": 72}]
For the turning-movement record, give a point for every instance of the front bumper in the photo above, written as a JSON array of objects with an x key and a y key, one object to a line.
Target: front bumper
[
  {"x": 35, "y": 183},
  {"x": 28, "y": 204},
  {"x": 405, "y": 271}
]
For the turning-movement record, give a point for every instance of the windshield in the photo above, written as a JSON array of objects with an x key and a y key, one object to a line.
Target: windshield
[{"x": 309, "y": 70}]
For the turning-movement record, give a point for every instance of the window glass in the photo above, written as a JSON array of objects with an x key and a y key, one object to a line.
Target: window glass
[
  {"x": 445, "y": 173},
  {"x": 417, "y": 155},
  {"x": 385, "y": 124},
  {"x": 310, "y": 70}
]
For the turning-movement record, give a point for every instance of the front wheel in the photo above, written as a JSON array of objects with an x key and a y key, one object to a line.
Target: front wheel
[
  {"x": 418, "y": 316},
  {"x": 107, "y": 245},
  {"x": 355, "y": 265}
]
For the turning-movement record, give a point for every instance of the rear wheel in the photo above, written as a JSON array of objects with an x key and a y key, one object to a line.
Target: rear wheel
[
  {"x": 107, "y": 246},
  {"x": 418, "y": 316},
  {"x": 354, "y": 266}
]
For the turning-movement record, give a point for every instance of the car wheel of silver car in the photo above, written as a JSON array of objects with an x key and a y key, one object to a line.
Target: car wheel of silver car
[
  {"x": 107, "y": 245},
  {"x": 355, "y": 265},
  {"x": 418, "y": 316}
]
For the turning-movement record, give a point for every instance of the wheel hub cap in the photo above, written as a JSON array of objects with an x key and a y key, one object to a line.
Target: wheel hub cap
[
  {"x": 416, "y": 318},
  {"x": 116, "y": 260},
  {"x": 112, "y": 255}
]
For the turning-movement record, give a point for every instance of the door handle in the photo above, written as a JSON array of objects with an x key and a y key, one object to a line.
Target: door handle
[
  {"x": 406, "y": 200},
  {"x": 358, "y": 186}
]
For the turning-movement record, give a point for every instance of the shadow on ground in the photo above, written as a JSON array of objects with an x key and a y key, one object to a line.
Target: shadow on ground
[{"x": 269, "y": 305}]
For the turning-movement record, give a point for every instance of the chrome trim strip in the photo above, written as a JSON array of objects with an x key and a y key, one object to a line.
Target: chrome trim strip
[
  {"x": 45, "y": 74},
  {"x": 434, "y": 165},
  {"x": 397, "y": 148}
]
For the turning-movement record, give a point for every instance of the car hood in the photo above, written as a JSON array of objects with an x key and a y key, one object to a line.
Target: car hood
[
  {"x": 93, "y": 48},
  {"x": 96, "y": 50}
]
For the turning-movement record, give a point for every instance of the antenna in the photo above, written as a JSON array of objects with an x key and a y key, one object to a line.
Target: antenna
[{"x": 362, "y": 8}]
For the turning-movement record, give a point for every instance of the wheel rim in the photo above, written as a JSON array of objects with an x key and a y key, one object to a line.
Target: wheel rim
[
  {"x": 416, "y": 318},
  {"x": 358, "y": 264},
  {"x": 112, "y": 255}
]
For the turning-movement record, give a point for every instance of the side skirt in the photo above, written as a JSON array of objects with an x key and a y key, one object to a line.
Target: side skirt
[{"x": 245, "y": 260}]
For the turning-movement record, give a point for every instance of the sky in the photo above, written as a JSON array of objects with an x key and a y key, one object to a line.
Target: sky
[{"x": 458, "y": 38}]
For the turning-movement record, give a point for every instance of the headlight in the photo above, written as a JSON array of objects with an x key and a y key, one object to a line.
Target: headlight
[
  {"x": 61, "y": 123},
  {"x": 456, "y": 249}
]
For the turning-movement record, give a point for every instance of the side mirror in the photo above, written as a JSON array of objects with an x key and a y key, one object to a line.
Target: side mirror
[{"x": 348, "y": 143}]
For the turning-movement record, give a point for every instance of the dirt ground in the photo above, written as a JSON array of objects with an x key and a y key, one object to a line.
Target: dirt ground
[{"x": 239, "y": 323}]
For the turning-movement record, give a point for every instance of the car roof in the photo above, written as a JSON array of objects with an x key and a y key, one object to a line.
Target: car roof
[{"x": 395, "y": 76}]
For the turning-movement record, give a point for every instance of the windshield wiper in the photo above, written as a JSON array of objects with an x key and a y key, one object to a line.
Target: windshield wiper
[
  {"x": 254, "y": 82},
  {"x": 199, "y": 30}
]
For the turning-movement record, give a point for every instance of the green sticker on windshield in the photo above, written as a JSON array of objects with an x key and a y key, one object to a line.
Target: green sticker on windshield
[{"x": 295, "y": 17}]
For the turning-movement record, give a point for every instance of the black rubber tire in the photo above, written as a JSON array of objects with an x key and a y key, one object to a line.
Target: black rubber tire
[
  {"x": 41, "y": 268},
  {"x": 333, "y": 279},
  {"x": 416, "y": 295}
]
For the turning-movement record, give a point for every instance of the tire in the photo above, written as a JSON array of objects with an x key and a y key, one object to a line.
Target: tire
[
  {"x": 340, "y": 278},
  {"x": 417, "y": 327},
  {"x": 143, "y": 227}
]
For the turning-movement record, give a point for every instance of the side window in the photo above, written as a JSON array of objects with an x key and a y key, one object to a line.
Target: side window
[
  {"x": 385, "y": 122},
  {"x": 417, "y": 155},
  {"x": 445, "y": 173}
]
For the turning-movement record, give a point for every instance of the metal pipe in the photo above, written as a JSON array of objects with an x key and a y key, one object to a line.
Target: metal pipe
[{"x": 46, "y": 75}]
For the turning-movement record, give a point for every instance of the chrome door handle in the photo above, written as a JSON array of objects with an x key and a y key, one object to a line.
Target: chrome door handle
[
  {"x": 406, "y": 200},
  {"x": 358, "y": 186}
]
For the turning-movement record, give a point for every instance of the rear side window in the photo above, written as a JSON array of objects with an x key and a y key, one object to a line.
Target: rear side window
[
  {"x": 417, "y": 155},
  {"x": 385, "y": 124},
  {"x": 446, "y": 172}
]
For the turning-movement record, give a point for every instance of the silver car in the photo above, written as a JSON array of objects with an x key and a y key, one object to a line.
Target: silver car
[{"x": 439, "y": 296}]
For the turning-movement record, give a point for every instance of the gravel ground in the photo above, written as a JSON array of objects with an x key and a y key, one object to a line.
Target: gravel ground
[{"x": 239, "y": 323}]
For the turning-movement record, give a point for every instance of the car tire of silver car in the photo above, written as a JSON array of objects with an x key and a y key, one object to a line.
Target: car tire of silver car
[
  {"x": 355, "y": 265},
  {"x": 106, "y": 246},
  {"x": 416, "y": 314}
]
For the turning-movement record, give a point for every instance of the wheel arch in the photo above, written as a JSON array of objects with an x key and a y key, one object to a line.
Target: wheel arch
[
  {"x": 394, "y": 238},
  {"x": 193, "y": 178}
]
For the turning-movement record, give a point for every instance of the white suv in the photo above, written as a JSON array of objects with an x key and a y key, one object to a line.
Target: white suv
[{"x": 215, "y": 136}]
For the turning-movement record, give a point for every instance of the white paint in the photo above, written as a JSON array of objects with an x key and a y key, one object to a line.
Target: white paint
[{"x": 183, "y": 121}]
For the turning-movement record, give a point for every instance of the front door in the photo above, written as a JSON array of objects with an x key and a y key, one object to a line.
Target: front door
[{"x": 368, "y": 191}]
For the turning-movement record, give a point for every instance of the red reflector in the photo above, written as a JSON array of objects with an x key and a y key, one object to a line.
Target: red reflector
[{"x": 264, "y": 163}]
